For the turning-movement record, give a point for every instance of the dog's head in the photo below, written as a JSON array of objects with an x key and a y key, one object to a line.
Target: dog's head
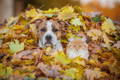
[{"x": 49, "y": 33}]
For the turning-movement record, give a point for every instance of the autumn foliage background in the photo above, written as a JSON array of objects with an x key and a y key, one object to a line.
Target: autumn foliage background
[{"x": 22, "y": 59}]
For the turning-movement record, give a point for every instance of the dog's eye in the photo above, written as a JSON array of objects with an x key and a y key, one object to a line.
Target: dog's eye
[
  {"x": 55, "y": 30},
  {"x": 43, "y": 30}
]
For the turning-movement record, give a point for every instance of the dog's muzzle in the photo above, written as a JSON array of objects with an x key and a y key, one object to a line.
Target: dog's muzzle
[{"x": 48, "y": 40}]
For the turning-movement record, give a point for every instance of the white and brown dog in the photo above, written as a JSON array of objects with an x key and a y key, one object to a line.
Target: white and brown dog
[{"x": 50, "y": 34}]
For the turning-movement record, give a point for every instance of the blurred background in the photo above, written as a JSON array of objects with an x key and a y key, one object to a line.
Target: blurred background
[{"x": 110, "y": 8}]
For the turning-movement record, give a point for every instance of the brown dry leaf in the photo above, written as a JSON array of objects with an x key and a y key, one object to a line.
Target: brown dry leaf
[
  {"x": 94, "y": 34},
  {"x": 117, "y": 45},
  {"x": 32, "y": 63},
  {"x": 16, "y": 77},
  {"x": 12, "y": 21},
  {"x": 106, "y": 39},
  {"x": 93, "y": 74},
  {"x": 34, "y": 31},
  {"x": 27, "y": 54},
  {"x": 1, "y": 41},
  {"x": 49, "y": 71},
  {"x": 94, "y": 47}
]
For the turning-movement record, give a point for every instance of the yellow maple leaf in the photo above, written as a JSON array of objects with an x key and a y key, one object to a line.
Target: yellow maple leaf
[
  {"x": 31, "y": 13},
  {"x": 34, "y": 14},
  {"x": 66, "y": 13},
  {"x": 62, "y": 58},
  {"x": 108, "y": 26},
  {"x": 106, "y": 39},
  {"x": 94, "y": 34},
  {"x": 51, "y": 11},
  {"x": 71, "y": 72},
  {"x": 11, "y": 21},
  {"x": 16, "y": 27},
  {"x": 74, "y": 28}
]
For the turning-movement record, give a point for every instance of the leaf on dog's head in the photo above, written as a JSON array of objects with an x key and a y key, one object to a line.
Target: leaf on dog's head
[{"x": 16, "y": 46}]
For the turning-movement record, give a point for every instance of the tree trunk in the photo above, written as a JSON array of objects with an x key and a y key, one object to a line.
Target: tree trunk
[{"x": 6, "y": 9}]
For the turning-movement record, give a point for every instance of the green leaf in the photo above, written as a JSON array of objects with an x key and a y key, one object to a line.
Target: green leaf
[
  {"x": 16, "y": 46},
  {"x": 62, "y": 58},
  {"x": 96, "y": 19}
]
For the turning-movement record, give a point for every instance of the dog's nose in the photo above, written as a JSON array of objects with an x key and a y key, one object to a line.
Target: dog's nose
[{"x": 48, "y": 38}]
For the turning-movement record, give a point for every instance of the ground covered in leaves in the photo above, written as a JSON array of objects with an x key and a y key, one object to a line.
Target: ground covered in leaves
[{"x": 22, "y": 59}]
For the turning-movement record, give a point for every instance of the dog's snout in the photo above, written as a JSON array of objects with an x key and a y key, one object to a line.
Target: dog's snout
[{"x": 48, "y": 38}]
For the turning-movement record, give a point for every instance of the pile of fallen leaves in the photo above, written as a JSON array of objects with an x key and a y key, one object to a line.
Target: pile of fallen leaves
[{"x": 22, "y": 59}]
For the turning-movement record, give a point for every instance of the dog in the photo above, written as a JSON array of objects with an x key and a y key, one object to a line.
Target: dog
[{"x": 50, "y": 35}]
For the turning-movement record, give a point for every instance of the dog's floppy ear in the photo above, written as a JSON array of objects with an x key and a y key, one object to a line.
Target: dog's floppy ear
[{"x": 38, "y": 22}]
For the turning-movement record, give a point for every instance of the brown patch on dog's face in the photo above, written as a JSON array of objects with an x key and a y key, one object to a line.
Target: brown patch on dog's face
[
  {"x": 56, "y": 28},
  {"x": 42, "y": 29}
]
